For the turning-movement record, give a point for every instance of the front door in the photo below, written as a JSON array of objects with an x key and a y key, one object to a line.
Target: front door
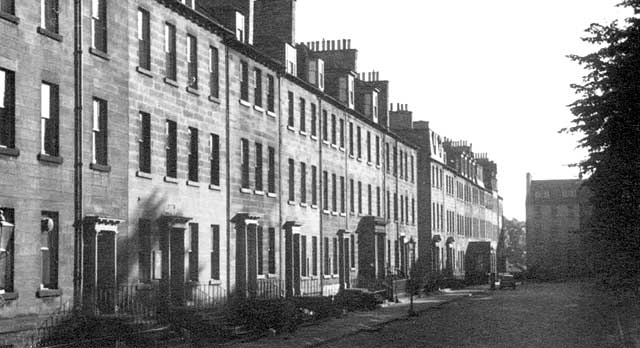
[
  {"x": 176, "y": 276},
  {"x": 106, "y": 272}
]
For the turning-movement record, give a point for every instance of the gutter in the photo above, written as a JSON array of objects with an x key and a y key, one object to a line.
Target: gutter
[{"x": 77, "y": 170}]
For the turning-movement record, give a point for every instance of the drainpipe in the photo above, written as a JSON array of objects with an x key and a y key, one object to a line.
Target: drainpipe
[
  {"x": 77, "y": 189},
  {"x": 227, "y": 162},
  {"x": 319, "y": 187}
]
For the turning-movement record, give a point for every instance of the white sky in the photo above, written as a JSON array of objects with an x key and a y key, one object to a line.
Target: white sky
[{"x": 492, "y": 72}]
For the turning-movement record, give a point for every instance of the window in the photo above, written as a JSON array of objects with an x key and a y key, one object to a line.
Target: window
[
  {"x": 192, "y": 62},
  {"x": 412, "y": 170},
  {"x": 342, "y": 192},
  {"x": 7, "y": 6},
  {"x": 144, "y": 250},
  {"x": 378, "y": 201},
  {"x": 314, "y": 121},
  {"x": 172, "y": 149},
  {"x": 334, "y": 193},
  {"x": 325, "y": 254},
  {"x": 49, "y": 118},
  {"x": 272, "y": 250},
  {"x": 258, "y": 169},
  {"x": 7, "y": 254},
  {"x": 314, "y": 256},
  {"x": 240, "y": 32},
  {"x": 352, "y": 196},
  {"x": 271, "y": 175},
  {"x": 377, "y": 150},
  {"x": 335, "y": 256},
  {"x": 387, "y": 163},
  {"x": 413, "y": 211},
  {"x": 351, "y": 139},
  {"x": 303, "y": 182},
  {"x": 292, "y": 180},
  {"x": 290, "y": 121},
  {"x": 144, "y": 143},
  {"x": 99, "y": 25},
  {"x": 144, "y": 40},
  {"x": 359, "y": 197},
  {"x": 353, "y": 252},
  {"x": 401, "y": 166},
  {"x": 214, "y": 145},
  {"x": 49, "y": 15},
  {"x": 314, "y": 184},
  {"x": 193, "y": 155},
  {"x": 244, "y": 152},
  {"x": 325, "y": 125},
  {"x": 369, "y": 200},
  {"x": 188, "y": 3},
  {"x": 325, "y": 190},
  {"x": 359, "y": 142},
  {"x": 303, "y": 120},
  {"x": 7, "y": 109},
  {"x": 257, "y": 91},
  {"x": 99, "y": 134},
  {"x": 303, "y": 256},
  {"x": 259, "y": 250},
  {"x": 346, "y": 252},
  {"x": 214, "y": 76},
  {"x": 271, "y": 94},
  {"x": 388, "y": 205},
  {"x": 215, "y": 252},
  {"x": 244, "y": 81},
  {"x": 368, "y": 147},
  {"x": 401, "y": 209},
  {"x": 49, "y": 250},
  {"x": 170, "y": 51},
  {"x": 395, "y": 206},
  {"x": 341, "y": 133},
  {"x": 193, "y": 252},
  {"x": 395, "y": 161},
  {"x": 333, "y": 129}
]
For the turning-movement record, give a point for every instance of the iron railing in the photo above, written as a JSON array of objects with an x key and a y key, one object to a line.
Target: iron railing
[{"x": 205, "y": 295}]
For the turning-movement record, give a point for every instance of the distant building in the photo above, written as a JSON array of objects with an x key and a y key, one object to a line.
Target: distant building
[{"x": 555, "y": 211}]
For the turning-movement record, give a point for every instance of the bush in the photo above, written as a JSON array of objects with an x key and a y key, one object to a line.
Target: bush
[
  {"x": 357, "y": 299},
  {"x": 316, "y": 308},
  {"x": 264, "y": 314}
]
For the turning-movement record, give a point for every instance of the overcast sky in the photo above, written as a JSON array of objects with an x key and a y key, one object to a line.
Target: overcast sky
[{"x": 492, "y": 72}]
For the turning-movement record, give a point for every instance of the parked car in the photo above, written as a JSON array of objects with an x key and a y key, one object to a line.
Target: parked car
[{"x": 507, "y": 281}]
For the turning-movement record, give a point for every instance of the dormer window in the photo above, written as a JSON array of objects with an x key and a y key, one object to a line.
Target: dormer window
[
  {"x": 291, "y": 59},
  {"x": 346, "y": 92},
  {"x": 240, "y": 30},
  {"x": 371, "y": 105},
  {"x": 189, "y": 3},
  {"x": 316, "y": 73}
]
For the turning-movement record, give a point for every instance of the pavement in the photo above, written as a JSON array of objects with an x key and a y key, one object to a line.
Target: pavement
[{"x": 335, "y": 329}]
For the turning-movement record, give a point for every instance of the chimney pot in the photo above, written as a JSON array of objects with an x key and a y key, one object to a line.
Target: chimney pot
[{"x": 349, "y": 43}]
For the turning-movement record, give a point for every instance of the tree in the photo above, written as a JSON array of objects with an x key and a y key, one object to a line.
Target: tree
[
  {"x": 514, "y": 232},
  {"x": 608, "y": 116}
]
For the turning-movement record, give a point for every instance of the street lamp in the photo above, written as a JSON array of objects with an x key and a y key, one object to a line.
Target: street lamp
[
  {"x": 6, "y": 232},
  {"x": 413, "y": 283}
]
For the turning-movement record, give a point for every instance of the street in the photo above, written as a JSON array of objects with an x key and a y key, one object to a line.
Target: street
[{"x": 534, "y": 315}]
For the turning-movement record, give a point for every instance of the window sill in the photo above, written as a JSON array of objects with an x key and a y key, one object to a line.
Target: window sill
[
  {"x": 334, "y": 146},
  {"x": 304, "y": 205},
  {"x": 291, "y": 202},
  {"x": 314, "y": 137},
  {"x": 50, "y": 159},
  {"x": 43, "y": 293},
  {"x": 271, "y": 113},
  {"x": 143, "y": 175},
  {"x": 326, "y": 276},
  {"x": 314, "y": 206},
  {"x": 351, "y": 156},
  {"x": 359, "y": 159},
  {"x": 258, "y": 108},
  {"x": 7, "y": 151},
  {"x": 193, "y": 91},
  {"x": 144, "y": 71},
  {"x": 214, "y": 99},
  {"x": 378, "y": 166},
  {"x": 245, "y": 190},
  {"x": 326, "y": 212},
  {"x": 341, "y": 149},
  {"x": 171, "y": 180},
  {"x": 170, "y": 82},
  {"x": 214, "y": 187},
  {"x": 50, "y": 34},
  {"x": 9, "y": 296},
  {"x": 271, "y": 194},
  {"x": 334, "y": 213},
  {"x": 325, "y": 142},
  {"x": 245, "y": 103},
  {"x": 369, "y": 163},
  {"x": 303, "y": 133},
  {"x": 215, "y": 282},
  {"x": 291, "y": 128},
  {"x": 9, "y": 17},
  {"x": 100, "y": 167},
  {"x": 193, "y": 183},
  {"x": 343, "y": 214},
  {"x": 98, "y": 53},
  {"x": 258, "y": 192}
]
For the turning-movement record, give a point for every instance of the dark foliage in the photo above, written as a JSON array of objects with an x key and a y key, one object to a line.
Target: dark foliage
[{"x": 608, "y": 115}]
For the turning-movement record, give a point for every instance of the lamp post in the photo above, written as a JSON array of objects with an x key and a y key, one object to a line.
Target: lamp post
[{"x": 412, "y": 285}]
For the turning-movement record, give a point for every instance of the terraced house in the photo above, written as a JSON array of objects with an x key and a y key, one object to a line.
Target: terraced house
[{"x": 164, "y": 154}]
